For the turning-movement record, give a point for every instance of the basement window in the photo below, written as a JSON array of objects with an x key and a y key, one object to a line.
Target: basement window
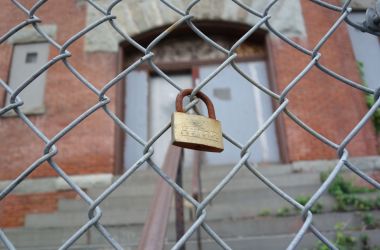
[{"x": 27, "y": 59}]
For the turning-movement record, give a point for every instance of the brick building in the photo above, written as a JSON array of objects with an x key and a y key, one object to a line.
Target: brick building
[{"x": 96, "y": 150}]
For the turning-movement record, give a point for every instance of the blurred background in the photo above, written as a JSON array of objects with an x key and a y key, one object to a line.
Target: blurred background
[{"x": 43, "y": 210}]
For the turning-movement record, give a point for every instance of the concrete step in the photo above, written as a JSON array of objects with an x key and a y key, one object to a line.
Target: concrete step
[
  {"x": 261, "y": 226},
  {"x": 270, "y": 242},
  {"x": 367, "y": 164},
  {"x": 147, "y": 175},
  {"x": 244, "y": 179},
  {"x": 267, "y": 242},
  {"x": 245, "y": 193},
  {"x": 266, "y": 232},
  {"x": 233, "y": 213},
  {"x": 78, "y": 218},
  {"x": 127, "y": 203},
  {"x": 244, "y": 196},
  {"x": 127, "y": 210},
  {"x": 34, "y": 238}
]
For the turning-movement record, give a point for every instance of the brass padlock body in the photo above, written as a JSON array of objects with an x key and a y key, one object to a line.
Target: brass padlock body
[{"x": 196, "y": 131}]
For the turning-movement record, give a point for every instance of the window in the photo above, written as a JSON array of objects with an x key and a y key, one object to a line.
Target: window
[
  {"x": 27, "y": 60},
  {"x": 367, "y": 51},
  {"x": 31, "y": 57}
]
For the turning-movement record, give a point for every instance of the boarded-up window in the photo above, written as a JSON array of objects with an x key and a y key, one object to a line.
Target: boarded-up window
[{"x": 27, "y": 60}]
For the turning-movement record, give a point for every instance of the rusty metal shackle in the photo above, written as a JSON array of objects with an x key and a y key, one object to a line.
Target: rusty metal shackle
[{"x": 200, "y": 95}]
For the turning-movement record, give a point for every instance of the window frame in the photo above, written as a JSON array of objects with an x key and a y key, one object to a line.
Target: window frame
[{"x": 41, "y": 109}]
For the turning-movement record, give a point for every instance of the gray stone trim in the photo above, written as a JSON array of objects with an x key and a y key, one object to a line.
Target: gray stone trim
[
  {"x": 37, "y": 111},
  {"x": 53, "y": 184},
  {"x": 30, "y": 35},
  {"x": 136, "y": 16},
  {"x": 368, "y": 163},
  {"x": 186, "y": 49}
]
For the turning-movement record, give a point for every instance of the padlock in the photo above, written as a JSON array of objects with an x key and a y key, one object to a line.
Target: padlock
[{"x": 196, "y": 131}]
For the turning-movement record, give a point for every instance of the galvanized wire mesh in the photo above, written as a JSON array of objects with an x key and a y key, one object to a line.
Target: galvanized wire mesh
[{"x": 371, "y": 25}]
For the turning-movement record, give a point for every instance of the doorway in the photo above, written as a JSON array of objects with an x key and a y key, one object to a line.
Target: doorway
[{"x": 241, "y": 108}]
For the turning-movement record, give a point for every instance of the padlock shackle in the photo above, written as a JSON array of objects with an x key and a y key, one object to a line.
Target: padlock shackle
[{"x": 200, "y": 95}]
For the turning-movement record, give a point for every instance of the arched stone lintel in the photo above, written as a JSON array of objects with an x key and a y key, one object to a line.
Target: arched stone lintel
[{"x": 136, "y": 17}]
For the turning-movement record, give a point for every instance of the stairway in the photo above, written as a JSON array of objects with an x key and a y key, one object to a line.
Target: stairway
[{"x": 234, "y": 214}]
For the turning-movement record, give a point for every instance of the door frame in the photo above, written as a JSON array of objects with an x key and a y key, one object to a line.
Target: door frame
[{"x": 193, "y": 67}]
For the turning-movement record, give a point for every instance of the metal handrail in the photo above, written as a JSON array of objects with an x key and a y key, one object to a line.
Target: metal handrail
[
  {"x": 155, "y": 227},
  {"x": 196, "y": 189}
]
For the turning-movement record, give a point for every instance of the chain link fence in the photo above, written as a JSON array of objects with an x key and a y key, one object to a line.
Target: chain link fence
[{"x": 370, "y": 25}]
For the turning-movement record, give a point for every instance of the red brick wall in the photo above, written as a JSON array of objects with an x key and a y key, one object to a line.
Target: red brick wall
[
  {"x": 328, "y": 106},
  {"x": 88, "y": 148}
]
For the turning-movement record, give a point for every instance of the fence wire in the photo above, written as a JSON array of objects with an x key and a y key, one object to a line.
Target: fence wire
[{"x": 370, "y": 25}]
